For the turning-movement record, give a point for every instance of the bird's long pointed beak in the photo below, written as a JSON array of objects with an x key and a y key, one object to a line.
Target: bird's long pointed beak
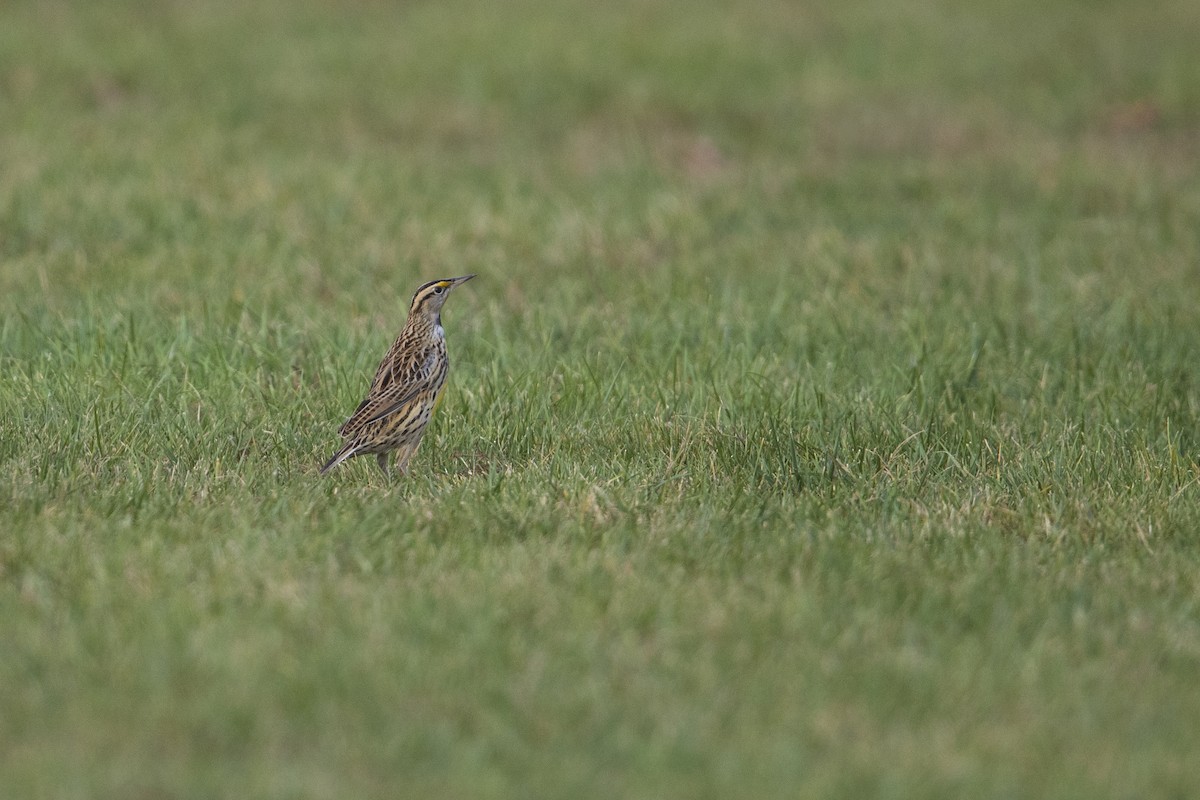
[{"x": 461, "y": 280}]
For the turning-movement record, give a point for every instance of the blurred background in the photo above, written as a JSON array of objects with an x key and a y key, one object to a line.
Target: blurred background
[{"x": 325, "y": 152}]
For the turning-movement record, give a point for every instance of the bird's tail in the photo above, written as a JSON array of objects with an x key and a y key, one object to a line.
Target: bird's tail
[{"x": 347, "y": 451}]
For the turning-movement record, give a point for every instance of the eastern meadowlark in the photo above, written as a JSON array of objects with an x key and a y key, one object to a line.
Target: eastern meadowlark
[{"x": 406, "y": 388}]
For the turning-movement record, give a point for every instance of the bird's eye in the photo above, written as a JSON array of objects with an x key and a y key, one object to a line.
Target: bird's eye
[{"x": 439, "y": 290}]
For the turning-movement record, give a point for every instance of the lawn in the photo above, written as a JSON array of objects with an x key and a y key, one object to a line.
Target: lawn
[{"x": 822, "y": 422}]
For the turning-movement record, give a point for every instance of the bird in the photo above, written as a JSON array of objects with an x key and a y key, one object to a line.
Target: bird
[{"x": 406, "y": 388}]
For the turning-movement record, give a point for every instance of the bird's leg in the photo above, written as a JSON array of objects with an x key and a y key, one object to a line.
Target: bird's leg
[
  {"x": 402, "y": 464},
  {"x": 382, "y": 460}
]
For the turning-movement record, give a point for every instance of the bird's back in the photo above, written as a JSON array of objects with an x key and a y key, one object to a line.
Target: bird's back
[{"x": 415, "y": 364}]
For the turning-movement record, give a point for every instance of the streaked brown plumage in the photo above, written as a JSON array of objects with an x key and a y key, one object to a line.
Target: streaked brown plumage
[{"x": 406, "y": 387}]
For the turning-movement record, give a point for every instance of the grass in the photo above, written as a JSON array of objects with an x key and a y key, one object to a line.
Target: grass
[{"x": 822, "y": 423}]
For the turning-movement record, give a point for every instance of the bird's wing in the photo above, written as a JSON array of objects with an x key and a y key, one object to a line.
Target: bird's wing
[
  {"x": 391, "y": 390},
  {"x": 375, "y": 407},
  {"x": 395, "y": 405}
]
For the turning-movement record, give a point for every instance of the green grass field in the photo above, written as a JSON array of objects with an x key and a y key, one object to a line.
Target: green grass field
[{"x": 822, "y": 422}]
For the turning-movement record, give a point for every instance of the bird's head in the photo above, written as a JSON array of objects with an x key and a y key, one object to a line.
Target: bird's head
[{"x": 430, "y": 298}]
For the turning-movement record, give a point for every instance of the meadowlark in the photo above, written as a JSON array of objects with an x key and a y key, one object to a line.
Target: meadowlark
[{"x": 406, "y": 388}]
